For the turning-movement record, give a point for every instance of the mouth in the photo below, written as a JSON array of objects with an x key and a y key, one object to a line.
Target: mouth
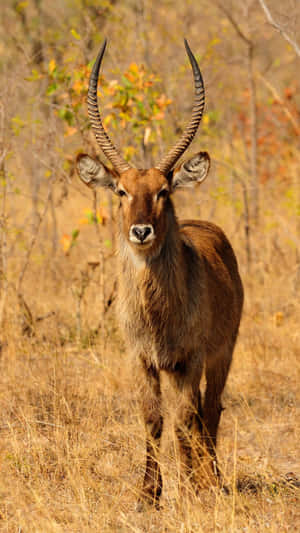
[{"x": 142, "y": 244}]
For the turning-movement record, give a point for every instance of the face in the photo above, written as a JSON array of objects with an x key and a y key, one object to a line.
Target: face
[{"x": 144, "y": 202}]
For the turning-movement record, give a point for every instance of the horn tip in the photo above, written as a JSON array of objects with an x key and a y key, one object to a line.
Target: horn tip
[
  {"x": 104, "y": 45},
  {"x": 186, "y": 44}
]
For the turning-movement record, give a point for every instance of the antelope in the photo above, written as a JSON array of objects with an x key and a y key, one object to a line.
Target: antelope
[{"x": 180, "y": 295}]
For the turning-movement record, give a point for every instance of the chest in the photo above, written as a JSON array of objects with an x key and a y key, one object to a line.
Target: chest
[{"x": 161, "y": 319}]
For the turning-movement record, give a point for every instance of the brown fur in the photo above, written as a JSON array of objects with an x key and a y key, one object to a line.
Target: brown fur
[{"x": 180, "y": 303}]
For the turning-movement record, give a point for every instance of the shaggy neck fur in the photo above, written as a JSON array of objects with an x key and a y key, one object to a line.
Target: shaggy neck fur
[{"x": 152, "y": 289}]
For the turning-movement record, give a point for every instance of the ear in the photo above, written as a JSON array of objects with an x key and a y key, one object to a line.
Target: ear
[
  {"x": 192, "y": 171},
  {"x": 95, "y": 174}
]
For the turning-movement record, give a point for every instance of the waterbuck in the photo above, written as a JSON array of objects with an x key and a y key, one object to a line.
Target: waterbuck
[{"x": 180, "y": 294}]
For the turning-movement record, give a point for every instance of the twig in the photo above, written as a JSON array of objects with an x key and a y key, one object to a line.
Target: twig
[
  {"x": 108, "y": 304},
  {"x": 43, "y": 423},
  {"x": 246, "y": 213},
  {"x": 275, "y": 94},
  {"x": 101, "y": 262},
  {"x": 253, "y": 110},
  {"x": 279, "y": 28},
  {"x": 253, "y": 123},
  {"x": 3, "y": 251},
  {"x": 33, "y": 241},
  {"x": 27, "y": 317},
  {"x": 111, "y": 298},
  {"x": 233, "y": 511},
  {"x": 78, "y": 294},
  {"x": 235, "y": 25},
  {"x": 43, "y": 317},
  {"x": 3, "y": 220}
]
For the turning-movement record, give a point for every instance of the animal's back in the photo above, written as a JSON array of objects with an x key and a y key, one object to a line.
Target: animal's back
[{"x": 225, "y": 289}]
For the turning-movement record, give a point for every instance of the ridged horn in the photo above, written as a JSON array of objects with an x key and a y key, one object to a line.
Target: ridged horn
[
  {"x": 199, "y": 100},
  {"x": 102, "y": 137}
]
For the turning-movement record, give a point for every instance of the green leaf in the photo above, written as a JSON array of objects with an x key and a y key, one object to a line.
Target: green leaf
[
  {"x": 35, "y": 75},
  {"x": 75, "y": 234},
  {"x": 65, "y": 114},
  {"x": 51, "y": 89}
]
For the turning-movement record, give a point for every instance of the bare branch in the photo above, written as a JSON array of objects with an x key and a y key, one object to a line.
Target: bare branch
[
  {"x": 235, "y": 25},
  {"x": 252, "y": 111},
  {"x": 276, "y": 95},
  {"x": 279, "y": 28},
  {"x": 246, "y": 212},
  {"x": 33, "y": 241},
  {"x": 3, "y": 218}
]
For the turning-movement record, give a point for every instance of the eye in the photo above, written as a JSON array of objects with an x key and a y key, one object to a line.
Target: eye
[
  {"x": 121, "y": 192},
  {"x": 163, "y": 193}
]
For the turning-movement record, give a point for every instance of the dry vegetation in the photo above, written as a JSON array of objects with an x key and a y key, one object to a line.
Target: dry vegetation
[{"x": 71, "y": 440}]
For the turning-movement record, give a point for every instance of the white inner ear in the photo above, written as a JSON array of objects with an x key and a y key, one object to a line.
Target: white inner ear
[
  {"x": 94, "y": 174},
  {"x": 90, "y": 170},
  {"x": 198, "y": 166},
  {"x": 192, "y": 171}
]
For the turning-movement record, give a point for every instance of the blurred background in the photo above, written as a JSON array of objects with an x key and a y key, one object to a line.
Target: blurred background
[{"x": 57, "y": 241}]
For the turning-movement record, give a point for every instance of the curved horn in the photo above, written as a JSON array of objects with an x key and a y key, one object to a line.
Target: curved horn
[
  {"x": 93, "y": 111},
  {"x": 199, "y": 100}
]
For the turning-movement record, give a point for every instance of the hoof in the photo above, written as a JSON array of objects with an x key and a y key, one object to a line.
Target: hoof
[
  {"x": 143, "y": 505},
  {"x": 225, "y": 490},
  {"x": 148, "y": 501}
]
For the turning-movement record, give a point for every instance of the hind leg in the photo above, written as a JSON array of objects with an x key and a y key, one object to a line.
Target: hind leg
[
  {"x": 185, "y": 382},
  {"x": 217, "y": 369}
]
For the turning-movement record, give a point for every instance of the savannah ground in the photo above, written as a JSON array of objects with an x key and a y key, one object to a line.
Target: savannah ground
[{"x": 71, "y": 438}]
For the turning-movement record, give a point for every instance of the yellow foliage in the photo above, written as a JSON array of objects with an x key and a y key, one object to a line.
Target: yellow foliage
[
  {"x": 278, "y": 318},
  {"x": 66, "y": 242},
  {"x": 77, "y": 86},
  {"x": 129, "y": 152},
  {"x": 52, "y": 66},
  {"x": 134, "y": 68},
  {"x": 75, "y": 34},
  {"x": 70, "y": 131},
  {"x": 21, "y": 6}
]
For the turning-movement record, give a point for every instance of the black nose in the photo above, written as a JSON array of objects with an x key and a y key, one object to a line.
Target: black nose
[{"x": 141, "y": 232}]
